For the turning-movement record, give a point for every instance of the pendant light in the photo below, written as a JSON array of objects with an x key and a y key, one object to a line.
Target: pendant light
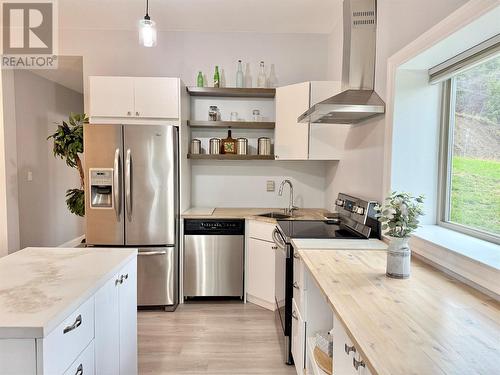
[{"x": 147, "y": 30}]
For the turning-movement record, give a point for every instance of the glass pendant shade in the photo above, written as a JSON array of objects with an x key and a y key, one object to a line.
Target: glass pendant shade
[{"x": 147, "y": 33}]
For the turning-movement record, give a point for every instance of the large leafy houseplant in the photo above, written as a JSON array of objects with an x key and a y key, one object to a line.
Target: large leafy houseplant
[{"x": 68, "y": 143}]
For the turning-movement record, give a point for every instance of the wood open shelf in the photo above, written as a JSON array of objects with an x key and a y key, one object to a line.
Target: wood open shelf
[
  {"x": 232, "y": 92},
  {"x": 229, "y": 157},
  {"x": 232, "y": 124}
]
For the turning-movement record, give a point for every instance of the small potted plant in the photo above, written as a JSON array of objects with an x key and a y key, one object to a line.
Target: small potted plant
[{"x": 399, "y": 217}]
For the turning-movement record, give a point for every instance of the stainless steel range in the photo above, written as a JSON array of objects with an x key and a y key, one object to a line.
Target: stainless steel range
[{"x": 354, "y": 218}]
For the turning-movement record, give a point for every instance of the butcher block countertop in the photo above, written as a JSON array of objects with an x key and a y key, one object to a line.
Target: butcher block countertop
[
  {"x": 39, "y": 287},
  {"x": 427, "y": 324},
  {"x": 251, "y": 213}
]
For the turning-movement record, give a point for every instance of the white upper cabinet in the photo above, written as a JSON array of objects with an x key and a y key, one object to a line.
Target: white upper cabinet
[
  {"x": 291, "y": 137},
  {"x": 111, "y": 96},
  {"x": 304, "y": 141},
  {"x": 156, "y": 97},
  {"x": 122, "y": 98}
]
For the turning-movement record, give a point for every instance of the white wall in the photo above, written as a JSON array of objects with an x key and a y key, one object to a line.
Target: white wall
[
  {"x": 243, "y": 184},
  {"x": 43, "y": 216},
  {"x": 399, "y": 22},
  {"x": 297, "y": 58},
  {"x": 3, "y": 182}
]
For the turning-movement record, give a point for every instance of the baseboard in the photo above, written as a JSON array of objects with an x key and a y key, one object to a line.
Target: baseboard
[
  {"x": 75, "y": 242},
  {"x": 260, "y": 302}
]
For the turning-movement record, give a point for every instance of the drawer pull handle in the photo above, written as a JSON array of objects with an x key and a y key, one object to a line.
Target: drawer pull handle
[
  {"x": 295, "y": 285},
  {"x": 119, "y": 281},
  {"x": 348, "y": 349},
  {"x": 296, "y": 256},
  {"x": 357, "y": 364},
  {"x": 76, "y": 324},
  {"x": 79, "y": 370},
  {"x": 274, "y": 247},
  {"x": 294, "y": 315}
]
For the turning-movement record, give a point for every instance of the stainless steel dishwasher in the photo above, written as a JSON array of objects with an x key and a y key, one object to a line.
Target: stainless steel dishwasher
[{"x": 213, "y": 258}]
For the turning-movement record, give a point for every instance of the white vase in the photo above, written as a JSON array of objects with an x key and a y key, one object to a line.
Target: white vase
[{"x": 399, "y": 258}]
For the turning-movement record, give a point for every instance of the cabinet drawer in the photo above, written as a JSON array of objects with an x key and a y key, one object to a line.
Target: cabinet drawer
[
  {"x": 84, "y": 364},
  {"x": 261, "y": 230},
  {"x": 63, "y": 345}
]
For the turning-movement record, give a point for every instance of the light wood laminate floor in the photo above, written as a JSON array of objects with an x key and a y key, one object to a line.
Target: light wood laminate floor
[{"x": 210, "y": 338}]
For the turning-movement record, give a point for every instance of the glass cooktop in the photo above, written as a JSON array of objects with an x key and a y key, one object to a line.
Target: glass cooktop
[{"x": 314, "y": 229}]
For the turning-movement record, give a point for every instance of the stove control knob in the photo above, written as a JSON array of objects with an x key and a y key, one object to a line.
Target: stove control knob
[
  {"x": 360, "y": 210},
  {"x": 339, "y": 202}
]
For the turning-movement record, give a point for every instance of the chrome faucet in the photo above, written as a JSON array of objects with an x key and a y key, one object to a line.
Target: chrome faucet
[{"x": 291, "y": 207}]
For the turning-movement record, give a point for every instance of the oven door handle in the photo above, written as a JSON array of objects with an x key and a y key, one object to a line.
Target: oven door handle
[
  {"x": 280, "y": 243},
  {"x": 278, "y": 240}
]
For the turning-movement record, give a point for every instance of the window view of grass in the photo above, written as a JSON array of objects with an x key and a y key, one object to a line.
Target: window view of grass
[{"x": 475, "y": 175}]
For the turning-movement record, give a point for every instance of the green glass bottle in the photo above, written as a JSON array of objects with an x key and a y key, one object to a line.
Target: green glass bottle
[
  {"x": 199, "y": 79},
  {"x": 216, "y": 77}
]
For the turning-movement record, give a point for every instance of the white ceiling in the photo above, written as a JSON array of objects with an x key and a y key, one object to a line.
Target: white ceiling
[{"x": 269, "y": 16}]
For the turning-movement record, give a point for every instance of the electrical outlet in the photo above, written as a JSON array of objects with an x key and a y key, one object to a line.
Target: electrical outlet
[
  {"x": 270, "y": 185},
  {"x": 29, "y": 177}
]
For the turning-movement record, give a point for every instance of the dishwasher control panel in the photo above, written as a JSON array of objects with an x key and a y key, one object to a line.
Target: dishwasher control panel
[{"x": 214, "y": 226}]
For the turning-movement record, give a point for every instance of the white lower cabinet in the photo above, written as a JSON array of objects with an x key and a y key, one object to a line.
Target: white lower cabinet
[
  {"x": 260, "y": 265},
  {"x": 98, "y": 337},
  {"x": 84, "y": 364},
  {"x": 347, "y": 360},
  {"x": 116, "y": 324},
  {"x": 298, "y": 338}
]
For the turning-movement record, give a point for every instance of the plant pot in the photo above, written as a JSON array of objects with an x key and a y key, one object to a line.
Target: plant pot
[{"x": 399, "y": 258}]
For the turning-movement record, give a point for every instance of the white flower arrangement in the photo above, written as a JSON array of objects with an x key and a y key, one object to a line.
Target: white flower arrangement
[{"x": 399, "y": 214}]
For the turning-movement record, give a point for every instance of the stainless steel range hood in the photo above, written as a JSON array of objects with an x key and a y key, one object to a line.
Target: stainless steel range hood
[{"x": 359, "y": 101}]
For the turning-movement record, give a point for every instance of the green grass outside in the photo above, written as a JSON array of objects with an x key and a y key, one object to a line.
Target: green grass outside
[{"x": 475, "y": 193}]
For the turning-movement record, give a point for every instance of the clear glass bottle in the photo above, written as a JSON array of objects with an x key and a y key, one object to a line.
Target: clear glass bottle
[
  {"x": 273, "y": 80},
  {"x": 199, "y": 79},
  {"x": 248, "y": 76},
  {"x": 216, "y": 77},
  {"x": 262, "y": 79},
  {"x": 239, "y": 75}
]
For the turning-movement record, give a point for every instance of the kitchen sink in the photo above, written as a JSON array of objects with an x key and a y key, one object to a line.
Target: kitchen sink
[{"x": 275, "y": 215}]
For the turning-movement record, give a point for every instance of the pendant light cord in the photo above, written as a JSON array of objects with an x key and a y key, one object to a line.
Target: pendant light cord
[{"x": 146, "y": 17}]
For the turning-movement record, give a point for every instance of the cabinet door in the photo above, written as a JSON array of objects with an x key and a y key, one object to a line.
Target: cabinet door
[
  {"x": 261, "y": 270},
  {"x": 341, "y": 345},
  {"x": 111, "y": 96},
  {"x": 156, "y": 97},
  {"x": 298, "y": 339},
  {"x": 128, "y": 319},
  {"x": 107, "y": 328},
  {"x": 291, "y": 137}
]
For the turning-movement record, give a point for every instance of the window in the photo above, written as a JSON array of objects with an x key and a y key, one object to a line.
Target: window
[{"x": 470, "y": 158}]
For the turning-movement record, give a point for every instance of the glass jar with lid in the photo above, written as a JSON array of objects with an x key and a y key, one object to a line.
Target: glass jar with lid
[{"x": 213, "y": 113}]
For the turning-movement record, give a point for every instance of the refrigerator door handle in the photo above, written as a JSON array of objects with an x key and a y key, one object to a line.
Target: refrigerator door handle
[
  {"x": 149, "y": 253},
  {"x": 116, "y": 184},
  {"x": 128, "y": 186}
]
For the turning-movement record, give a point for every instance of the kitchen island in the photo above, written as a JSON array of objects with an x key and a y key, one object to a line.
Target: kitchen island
[
  {"x": 61, "y": 309},
  {"x": 427, "y": 324}
]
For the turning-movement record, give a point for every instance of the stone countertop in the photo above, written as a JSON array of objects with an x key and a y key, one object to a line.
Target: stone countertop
[
  {"x": 428, "y": 324},
  {"x": 251, "y": 213},
  {"x": 40, "y": 287}
]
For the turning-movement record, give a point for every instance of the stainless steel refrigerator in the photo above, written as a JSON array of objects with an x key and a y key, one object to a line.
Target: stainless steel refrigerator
[{"x": 131, "y": 199}]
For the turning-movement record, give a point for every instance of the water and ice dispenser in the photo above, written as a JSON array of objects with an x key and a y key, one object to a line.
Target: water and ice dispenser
[{"x": 101, "y": 188}]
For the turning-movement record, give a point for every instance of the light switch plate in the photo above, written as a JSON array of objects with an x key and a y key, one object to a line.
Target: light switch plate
[{"x": 270, "y": 185}]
